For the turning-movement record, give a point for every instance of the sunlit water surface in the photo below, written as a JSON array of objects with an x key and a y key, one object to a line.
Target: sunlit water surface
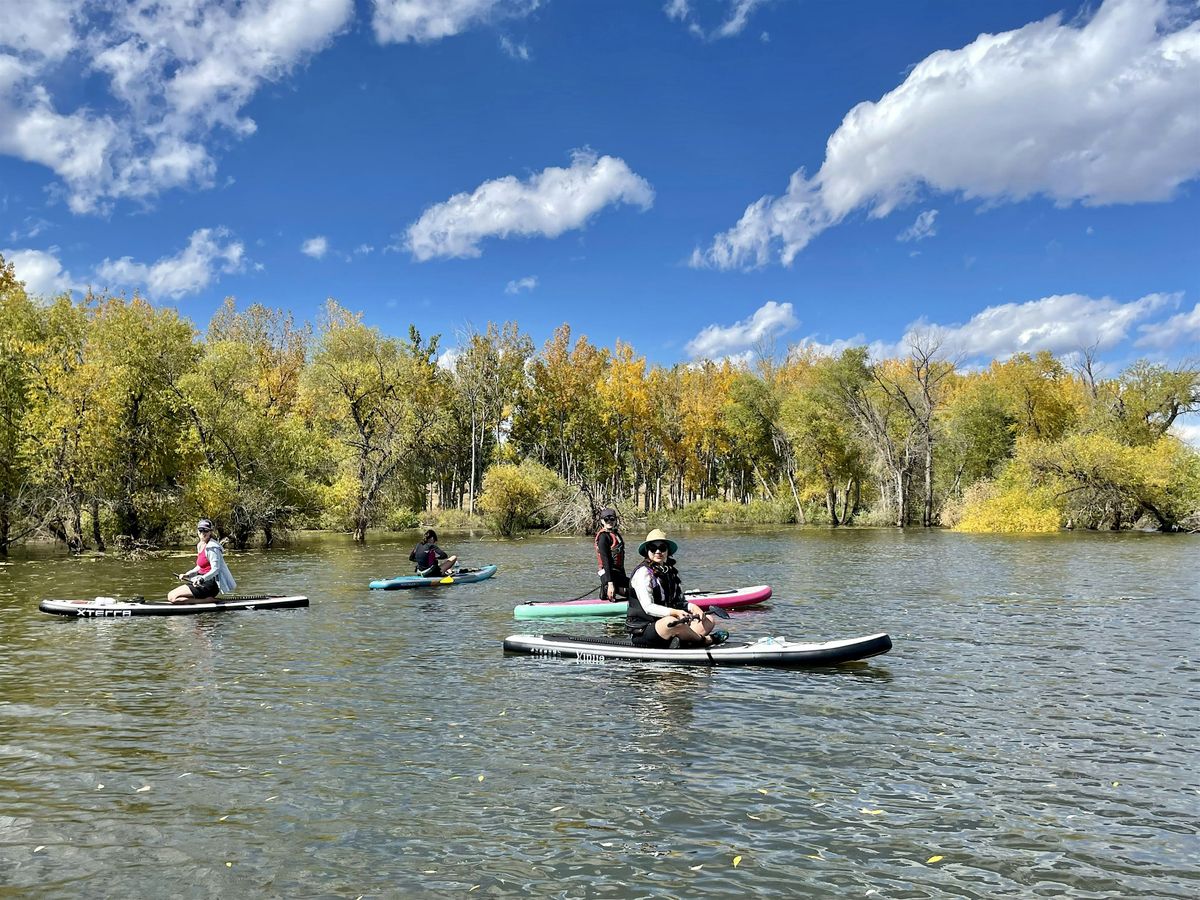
[{"x": 1032, "y": 734}]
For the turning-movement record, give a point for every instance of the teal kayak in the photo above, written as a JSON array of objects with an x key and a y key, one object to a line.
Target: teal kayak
[
  {"x": 456, "y": 576},
  {"x": 734, "y": 598}
]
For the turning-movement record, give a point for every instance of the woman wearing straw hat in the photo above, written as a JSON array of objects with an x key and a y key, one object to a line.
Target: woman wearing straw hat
[{"x": 659, "y": 615}]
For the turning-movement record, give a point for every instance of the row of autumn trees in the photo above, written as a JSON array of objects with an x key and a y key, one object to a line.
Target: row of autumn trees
[{"x": 117, "y": 418}]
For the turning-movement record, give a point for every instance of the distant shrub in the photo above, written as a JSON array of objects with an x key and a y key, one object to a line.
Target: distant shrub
[
  {"x": 996, "y": 507},
  {"x": 450, "y": 519},
  {"x": 722, "y": 512},
  {"x": 401, "y": 518},
  {"x": 518, "y": 497}
]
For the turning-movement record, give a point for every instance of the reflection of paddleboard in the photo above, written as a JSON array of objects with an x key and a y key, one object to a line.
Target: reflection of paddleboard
[
  {"x": 777, "y": 652},
  {"x": 115, "y": 608},
  {"x": 456, "y": 576},
  {"x": 734, "y": 598}
]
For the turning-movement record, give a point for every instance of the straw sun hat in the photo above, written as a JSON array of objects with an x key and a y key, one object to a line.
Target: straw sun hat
[{"x": 657, "y": 535}]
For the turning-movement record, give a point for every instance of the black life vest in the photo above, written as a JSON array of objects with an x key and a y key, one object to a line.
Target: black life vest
[
  {"x": 666, "y": 589},
  {"x": 424, "y": 555}
]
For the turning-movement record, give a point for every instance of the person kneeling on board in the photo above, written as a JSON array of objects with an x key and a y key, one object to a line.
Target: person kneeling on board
[
  {"x": 659, "y": 614},
  {"x": 431, "y": 559},
  {"x": 210, "y": 576}
]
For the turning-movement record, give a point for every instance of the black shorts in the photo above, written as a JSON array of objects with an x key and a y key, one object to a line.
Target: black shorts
[
  {"x": 205, "y": 590},
  {"x": 650, "y": 639}
]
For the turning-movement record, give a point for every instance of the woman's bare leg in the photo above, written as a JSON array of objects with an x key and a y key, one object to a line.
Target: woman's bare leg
[{"x": 181, "y": 594}]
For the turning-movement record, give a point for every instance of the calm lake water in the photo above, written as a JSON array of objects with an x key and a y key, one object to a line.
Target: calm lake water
[{"x": 1032, "y": 734}]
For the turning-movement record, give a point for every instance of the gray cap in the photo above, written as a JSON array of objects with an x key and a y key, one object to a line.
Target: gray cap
[{"x": 608, "y": 513}]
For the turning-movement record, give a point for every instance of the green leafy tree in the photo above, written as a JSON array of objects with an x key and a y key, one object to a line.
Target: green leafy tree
[
  {"x": 377, "y": 399},
  {"x": 18, "y": 335},
  {"x": 139, "y": 353},
  {"x": 257, "y": 452}
]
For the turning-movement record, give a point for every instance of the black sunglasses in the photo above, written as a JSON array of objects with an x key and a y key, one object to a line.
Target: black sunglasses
[
  {"x": 608, "y": 518},
  {"x": 658, "y": 547}
]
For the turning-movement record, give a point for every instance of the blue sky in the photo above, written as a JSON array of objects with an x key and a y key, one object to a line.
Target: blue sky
[{"x": 691, "y": 176}]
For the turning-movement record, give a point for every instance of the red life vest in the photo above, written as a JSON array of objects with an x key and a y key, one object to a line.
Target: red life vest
[{"x": 616, "y": 550}]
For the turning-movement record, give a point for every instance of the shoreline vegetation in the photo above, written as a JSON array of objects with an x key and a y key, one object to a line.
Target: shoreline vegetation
[{"x": 121, "y": 423}]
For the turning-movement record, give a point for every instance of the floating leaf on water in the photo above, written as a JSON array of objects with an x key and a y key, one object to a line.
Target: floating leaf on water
[
  {"x": 870, "y": 812},
  {"x": 429, "y": 872},
  {"x": 477, "y": 887},
  {"x": 762, "y": 791},
  {"x": 183, "y": 774},
  {"x": 39, "y": 848},
  {"x": 99, "y": 787},
  {"x": 229, "y": 865},
  {"x": 755, "y": 818},
  {"x": 481, "y": 778},
  {"x": 222, "y": 819},
  {"x": 556, "y": 809},
  {"x": 143, "y": 789},
  {"x": 934, "y": 859},
  {"x": 272, "y": 797},
  {"x": 1116, "y": 783},
  {"x": 737, "y": 861},
  {"x": 455, "y": 777},
  {"x": 503, "y": 711},
  {"x": 696, "y": 868},
  {"x": 815, "y": 856}
]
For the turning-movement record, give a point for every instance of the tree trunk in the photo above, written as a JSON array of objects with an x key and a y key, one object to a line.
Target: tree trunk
[
  {"x": 831, "y": 506},
  {"x": 97, "y": 537},
  {"x": 927, "y": 514},
  {"x": 850, "y": 507},
  {"x": 791, "y": 476},
  {"x": 471, "y": 489}
]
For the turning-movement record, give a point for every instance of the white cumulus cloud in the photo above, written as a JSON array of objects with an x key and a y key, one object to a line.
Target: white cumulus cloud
[
  {"x": 922, "y": 228},
  {"x": 1180, "y": 329},
  {"x": 548, "y": 203},
  {"x": 42, "y": 272},
  {"x": 718, "y": 341},
  {"x": 316, "y": 247},
  {"x": 398, "y": 21},
  {"x": 1061, "y": 324},
  {"x": 527, "y": 283},
  {"x": 736, "y": 17},
  {"x": 1098, "y": 112},
  {"x": 1187, "y": 429},
  {"x": 176, "y": 72},
  {"x": 210, "y": 251},
  {"x": 516, "y": 51}
]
